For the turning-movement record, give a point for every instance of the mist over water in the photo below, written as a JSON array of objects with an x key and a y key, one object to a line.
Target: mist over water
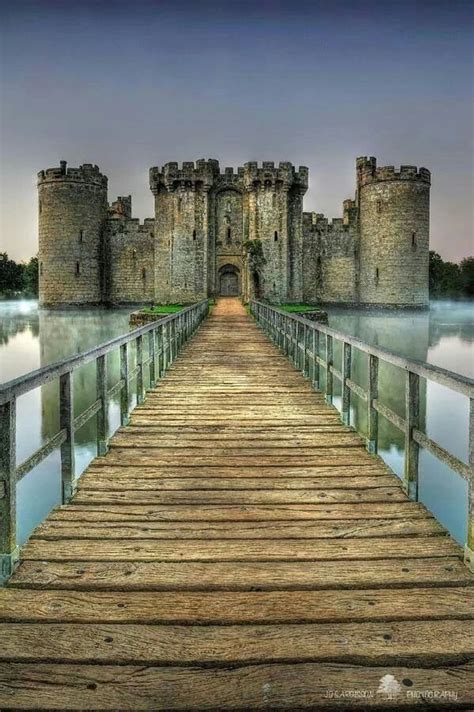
[{"x": 444, "y": 336}]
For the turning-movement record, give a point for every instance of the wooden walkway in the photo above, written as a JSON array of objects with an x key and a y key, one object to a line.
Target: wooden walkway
[{"x": 237, "y": 549}]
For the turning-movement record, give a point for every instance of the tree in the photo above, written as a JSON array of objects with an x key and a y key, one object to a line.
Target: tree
[
  {"x": 30, "y": 277},
  {"x": 11, "y": 275},
  {"x": 467, "y": 276}
]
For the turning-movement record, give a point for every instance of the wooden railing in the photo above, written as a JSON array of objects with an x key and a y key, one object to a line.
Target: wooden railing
[
  {"x": 303, "y": 341},
  {"x": 165, "y": 338}
]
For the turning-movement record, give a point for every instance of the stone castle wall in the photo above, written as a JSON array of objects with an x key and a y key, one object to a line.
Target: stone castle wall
[
  {"x": 394, "y": 212},
  {"x": 376, "y": 254},
  {"x": 131, "y": 261},
  {"x": 72, "y": 210}
]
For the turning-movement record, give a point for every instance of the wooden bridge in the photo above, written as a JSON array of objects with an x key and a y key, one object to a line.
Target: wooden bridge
[{"x": 236, "y": 548}]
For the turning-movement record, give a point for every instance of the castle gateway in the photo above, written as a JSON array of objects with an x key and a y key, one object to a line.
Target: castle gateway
[{"x": 234, "y": 233}]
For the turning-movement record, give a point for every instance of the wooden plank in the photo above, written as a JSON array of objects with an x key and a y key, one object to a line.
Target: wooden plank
[
  {"x": 240, "y": 576},
  {"x": 65, "y": 529},
  {"x": 428, "y": 643},
  {"x": 137, "y": 471},
  {"x": 234, "y": 607},
  {"x": 267, "y": 686},
  {"x": 244, "y": 497},
  {"x": 326, "y": 457},
  {"x": 241, "y": 550},
  {"x": 265, "y": 512},
  {"x": 109, "y": 484}
]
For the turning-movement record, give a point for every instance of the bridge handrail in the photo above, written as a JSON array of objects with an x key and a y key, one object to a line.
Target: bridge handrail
[
  {"x": 299, "y": 338},
  {"x": 166, "y": 335}
]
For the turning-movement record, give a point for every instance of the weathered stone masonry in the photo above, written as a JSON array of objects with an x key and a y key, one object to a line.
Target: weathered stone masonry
[{"x": 206, "y": 220}]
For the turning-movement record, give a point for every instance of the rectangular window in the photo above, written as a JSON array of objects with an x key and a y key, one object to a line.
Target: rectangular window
[
  {"x": 379, "y": 207},
  {"x": 78, "y": 269},
  {"x": 81, "y": 236}
]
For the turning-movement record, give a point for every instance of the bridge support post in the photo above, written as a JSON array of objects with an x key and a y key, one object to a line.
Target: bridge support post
[
  {"x": 66, "y": 422},
  {"x": 124, "y": 393},
  {"x": 412, "y": 418},
  {"x": 316, "y": 373},
  {"x": 140, "y": 386},
  {"x": 329, "y": 374},
  {"x": 103, "y": 412},
  {"x": 346, "y": 392},
  {"x": 151, "y": 356},
  {"x": 469, "y": 548},
  {"x": 9, "y": 552},
  {"x": 372, "y": 395}
]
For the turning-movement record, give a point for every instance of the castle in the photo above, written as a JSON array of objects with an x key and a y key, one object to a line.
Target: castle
[{"x": 232, "y": 232}]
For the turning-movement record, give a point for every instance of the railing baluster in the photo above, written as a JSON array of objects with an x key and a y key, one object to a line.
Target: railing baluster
[
  {"x": 305, "y": 354},
  {"x": 9, "y": 551},
  {"x": 329, "y": 363},
  {"x": 346, "y": 392},
  {"x": 151, "y": 355},
  {"x": 316, "y": 372},
  {"x": 140, "y": 387},
  {"x": 469, "y": 548},
  {"x": 66, "y": 422},
  {"x": 412, "y": 418},
  {"x": 124, "y": 394},
  {"x": 372, "y": 394},
  {"x": 103, "y": 412}
]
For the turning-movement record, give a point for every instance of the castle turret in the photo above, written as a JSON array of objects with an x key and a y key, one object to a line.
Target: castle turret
[
  {"x": 182, "y": 229},
  {"x": 72, "y": 212},
  {"x": 393, "y": 255}
]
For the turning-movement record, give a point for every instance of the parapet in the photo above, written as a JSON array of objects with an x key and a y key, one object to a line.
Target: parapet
[
  {"x": 171, "y": 175},
  {"x": 367, "y": 172},
  {"x": 286, "y": 174},
  {"x": 87, "y": 173},
  {"x": 207, "y": 173}
]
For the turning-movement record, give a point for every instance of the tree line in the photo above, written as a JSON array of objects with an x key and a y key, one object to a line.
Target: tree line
[
  {"x": 448, "y": 280},
  {"x": 18, "y": 279}
]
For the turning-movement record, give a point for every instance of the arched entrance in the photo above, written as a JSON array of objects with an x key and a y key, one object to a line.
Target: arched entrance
[{"x": 229, "y": 281}]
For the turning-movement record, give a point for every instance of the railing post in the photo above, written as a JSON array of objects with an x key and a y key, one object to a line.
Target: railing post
[
  {"x": 66, "y": 422},
  {"x": 469, "y": 547},
  {"x": 103, "y": 412},
  {"x": 9, "y": 551},
  {"x": 372, "y": 394},
  {"x": 329, "y": 363},
  {"x": 124, "y": 393},
  {"x": 412, "y": 415},
  {"x": 305, "y": 349},
  {"x": 161, "y": 351},
  {"x": 140, "y": 388},
  {"x": 151, "y": 355},
  {"x": 346, "y": 391},
  {"x": 315, "y": 378}
]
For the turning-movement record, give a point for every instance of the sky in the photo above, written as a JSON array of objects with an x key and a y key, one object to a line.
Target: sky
[{"x": 129, "y": 85}]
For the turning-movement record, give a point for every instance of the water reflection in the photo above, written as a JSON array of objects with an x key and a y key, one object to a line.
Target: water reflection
[{"x": 30, "y": 338}]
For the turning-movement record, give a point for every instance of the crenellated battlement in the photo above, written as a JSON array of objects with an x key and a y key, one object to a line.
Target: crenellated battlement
[
  {"x": 87, "y": 173},
  {"x": 206, "y": 173},
  {"x": 368, "y": 172},
  {"x": 268, "y": 175}
]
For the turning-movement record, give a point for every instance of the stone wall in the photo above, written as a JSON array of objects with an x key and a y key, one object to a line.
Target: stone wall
[
  {"x": 329, "y": 259},
  {"x": 72, "y": 210},
  {"x": 131, "y": 261},
  {"x": 394, "y": 234}
]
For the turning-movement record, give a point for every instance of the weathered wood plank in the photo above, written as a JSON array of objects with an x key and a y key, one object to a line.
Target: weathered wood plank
[
  {"x": 218, "y": 513},
  {"x": 334, "y": 471},
  {"x": 99, "y": 482},
  {"x": 242, "y": 550},
  {"x": 267, "y": 687},
  {"x": 262, "y": 607},
  {"x": 306, "y": 496},
  {"x": 240, "y": 576},
  {"x": 429, "y": 643}
]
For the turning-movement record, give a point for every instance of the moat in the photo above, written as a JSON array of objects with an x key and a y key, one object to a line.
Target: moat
[{"x": 444, "y": 336}]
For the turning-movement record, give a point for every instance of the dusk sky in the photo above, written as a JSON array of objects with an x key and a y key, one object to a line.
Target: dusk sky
[{"x": 128, "y": 85}]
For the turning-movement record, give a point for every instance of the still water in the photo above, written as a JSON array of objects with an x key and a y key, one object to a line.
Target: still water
[{"x": 30, "y": 338}]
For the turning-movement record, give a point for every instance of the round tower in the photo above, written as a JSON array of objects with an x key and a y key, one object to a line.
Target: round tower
[
  {"x": 394, "y": 214},
  {"x": 72, "y": 212}
]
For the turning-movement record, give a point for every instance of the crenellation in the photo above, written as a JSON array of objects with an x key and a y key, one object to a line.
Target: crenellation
[{"x": 205, "y": 220}]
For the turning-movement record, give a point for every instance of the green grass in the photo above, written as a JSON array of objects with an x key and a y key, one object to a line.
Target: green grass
[
  {"x": 299, "y": 308},
  {"x": 163, "y": 309}
]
